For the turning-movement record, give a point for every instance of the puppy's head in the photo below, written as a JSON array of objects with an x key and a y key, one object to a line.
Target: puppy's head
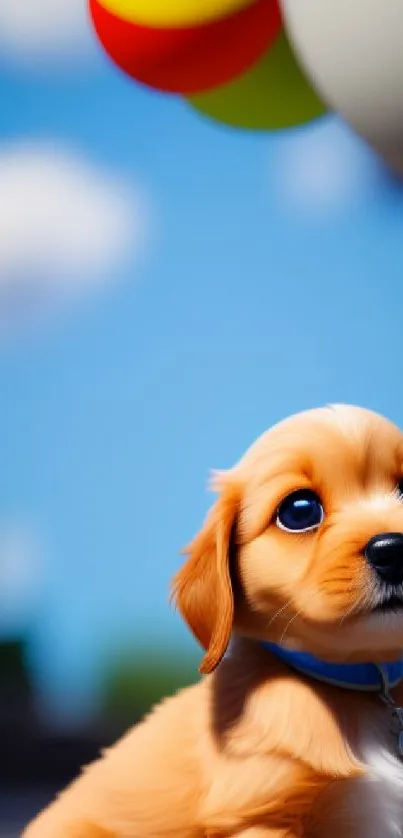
[{"x": 304, "y": 546}]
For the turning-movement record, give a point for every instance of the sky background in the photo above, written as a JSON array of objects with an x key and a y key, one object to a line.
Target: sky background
[{"x": 168, "y": 289}]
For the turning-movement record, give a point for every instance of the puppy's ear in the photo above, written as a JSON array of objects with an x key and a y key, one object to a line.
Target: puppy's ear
[{"x": 202, "y": 589}]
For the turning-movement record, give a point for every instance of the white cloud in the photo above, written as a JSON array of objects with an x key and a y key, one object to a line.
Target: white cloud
[
  {"x": 65, "y": 227},
  {"x": 21, "y": 577},
  {"x": 321, "y": 168},
  {"x": 43, "y": 31}
]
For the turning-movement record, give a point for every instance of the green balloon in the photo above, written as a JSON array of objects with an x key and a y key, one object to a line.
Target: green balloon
[{"x": 273, "y": 94}]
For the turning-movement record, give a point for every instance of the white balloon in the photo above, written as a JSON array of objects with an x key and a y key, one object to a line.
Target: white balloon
[{"x": 352, "y": 50}]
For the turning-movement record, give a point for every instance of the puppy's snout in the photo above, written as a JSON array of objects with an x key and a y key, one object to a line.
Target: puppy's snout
[{"x": 384, "y": 553}]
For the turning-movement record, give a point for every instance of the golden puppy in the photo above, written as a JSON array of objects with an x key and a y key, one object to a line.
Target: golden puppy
[{"x": 295, "y": 731}]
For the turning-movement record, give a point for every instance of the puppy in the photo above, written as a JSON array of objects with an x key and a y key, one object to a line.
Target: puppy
[{"x": 294, "y": 588}]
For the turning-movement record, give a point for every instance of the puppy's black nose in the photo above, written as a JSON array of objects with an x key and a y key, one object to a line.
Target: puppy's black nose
[{"x": 384, "y": 552}]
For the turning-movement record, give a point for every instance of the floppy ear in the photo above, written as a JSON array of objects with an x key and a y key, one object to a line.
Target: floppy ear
[{"x": 202, "y": 589}]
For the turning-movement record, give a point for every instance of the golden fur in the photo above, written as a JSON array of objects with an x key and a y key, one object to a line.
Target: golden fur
[{"x": 254, "y": 750}]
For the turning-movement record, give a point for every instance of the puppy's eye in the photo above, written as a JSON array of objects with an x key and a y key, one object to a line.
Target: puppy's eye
[
  {"x": 400, "y": 487},
  {"x": 301, "y": 511}
]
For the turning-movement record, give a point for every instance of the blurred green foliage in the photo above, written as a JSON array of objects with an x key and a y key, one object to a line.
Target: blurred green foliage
[
  {"x": 14, "y": 672},
  {"x": 136, "y": 680},
  {"x": 132, "y": 680}
]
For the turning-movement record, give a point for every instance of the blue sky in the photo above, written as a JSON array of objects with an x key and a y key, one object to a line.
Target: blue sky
[{"x": 271, "y": 281}]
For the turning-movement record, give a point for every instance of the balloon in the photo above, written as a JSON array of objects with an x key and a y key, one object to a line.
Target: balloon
[
  {"x": 188, "y": 60},
  {"x": 171, "y": 13},
  {"x": 353, "y": 52},
  {"x": 273, "y": 94}
]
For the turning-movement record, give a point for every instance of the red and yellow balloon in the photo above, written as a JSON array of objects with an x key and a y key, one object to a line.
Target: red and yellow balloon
[
  {"x": 171, "y": 13},
  {"x": 185, "y": 58},
  {"x": 229, "y": 58}
]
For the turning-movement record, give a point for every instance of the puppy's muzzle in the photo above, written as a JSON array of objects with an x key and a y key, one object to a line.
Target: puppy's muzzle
[{"x": 384, "y": 553}]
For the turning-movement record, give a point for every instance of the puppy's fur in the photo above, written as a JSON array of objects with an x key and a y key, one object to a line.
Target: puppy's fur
[{"x": 255, "y": 750}]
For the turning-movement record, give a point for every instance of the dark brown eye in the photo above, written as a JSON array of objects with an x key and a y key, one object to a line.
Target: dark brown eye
[{"x": 400, "y": 487}]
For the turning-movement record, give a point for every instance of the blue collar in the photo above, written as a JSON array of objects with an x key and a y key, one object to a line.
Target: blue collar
[{"x": 351, "y": 676}]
